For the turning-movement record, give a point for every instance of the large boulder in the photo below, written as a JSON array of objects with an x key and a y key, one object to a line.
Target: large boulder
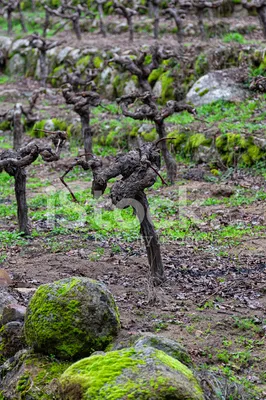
[
  {"x": 217, "y": 85},
  {"x": 130, "y": 374},
  {"x": 71, "y": 318},
  {"x": 168, "y": 346}
]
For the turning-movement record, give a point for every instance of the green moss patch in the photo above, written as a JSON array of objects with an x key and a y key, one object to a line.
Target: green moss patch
[
  {"x": 235, "y": 147},
  {"x": 35, "y": 378},
  {"x": 131, "y": 374},
  {"x": 5, "y": 126}
]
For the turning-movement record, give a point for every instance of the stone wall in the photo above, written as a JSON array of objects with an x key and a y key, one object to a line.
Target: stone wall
[{"x": 171, "y": 80}]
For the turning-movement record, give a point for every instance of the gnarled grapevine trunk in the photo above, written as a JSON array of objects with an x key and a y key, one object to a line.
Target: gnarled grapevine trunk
[
  {"x": 169, "y": 160},
  {"x": 151, "y": 241},
  {"x": 101, "y": 16},
  {"x": 156, "y": 20},
  {"x": 15, "y": 162},
  {"x": 262, "y": 17},
  {"x": 18, "y": 127},
  {"x": 43, "y": 67},
  {"x": 22, "y": 208},
  {"x": 82, "y": 102},
  {"x": 9, "y": 22},
  {"x": 87, "y": 135},
  {"x": 139, "y": 170},
  {"x": 152, "y": 112},
  {"x": 76, "y": 27},
  {"x": 130, "y": 28}
]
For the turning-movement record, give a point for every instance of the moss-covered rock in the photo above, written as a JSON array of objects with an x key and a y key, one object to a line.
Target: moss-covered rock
[
  {"x": 56, "y": 75},
  {"x": 168, "y": 346},
  {"x": 217, "y": 386},
  {"x": 167, "y": 87},
  {"x": 83, "y": 62},
  {"x": 235, "y": 147},
  {"x": 119, "y": 83},
  {"x": 217, "y": 85},
  {"x": 195, "y": 141},
  {"x": 98, "y": 62},
  {"x": 130, "y": 374},
  {"x": 11, "y": 339},
  {"x": 155, "y": 75},
  {"x": 178, "y": 139},
  {"x": 30, "y": 376},
  {"x": 140, "y": 341},
  {"x": 149, "y": 136},
  {"x": 71, "y": 318},
  {"x": 16, "y": 65}
]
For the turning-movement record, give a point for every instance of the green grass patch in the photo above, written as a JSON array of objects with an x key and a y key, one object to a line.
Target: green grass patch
[{"x": 234, "y": 37}]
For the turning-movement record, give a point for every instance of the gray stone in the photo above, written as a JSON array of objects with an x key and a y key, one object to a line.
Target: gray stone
[
  {"x": 52, "y": 59},
  {"x": 140, "y": 341},
  {"x": 6, "y": 298},
  {"x": 189, "y": 30},
  {"x": 5, "y": 43},
  {"x": 216, "y": 85},
  {"x": 204, "y": 154},
  {"x": 138, "y": 374},
  {"x": 106, "y": 73},
  {"x": 157, "y": 90},
  {"x": 216, "y": 387},
  {"x": 74, "y": 54},
  {"x": 63, "y": 54},
  {"x": 11, "y": 339},
  {"x": 120, "y": 28},
  {"x": 13, "y": 312},
  {"x": 169, "y": 346},
  {"x": 239, "y": 11},
  {"x": 260, "y": 142},
  {"x": 71, "y": 318},
  {"x": 16, "y": 65},
  {"x": 18, "y": 45},
  {"x": 52, "y": 53},
  {"x": 91, "y": 50},
  {"x": 130, "y": 87},
  {"x": 49, "y": 125},
  {"x": 8, "y": 371},
  {"x": 18, "y": 374},
  {"x": 109, "y": 91},
  {"x": 145, "y": 128}
]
